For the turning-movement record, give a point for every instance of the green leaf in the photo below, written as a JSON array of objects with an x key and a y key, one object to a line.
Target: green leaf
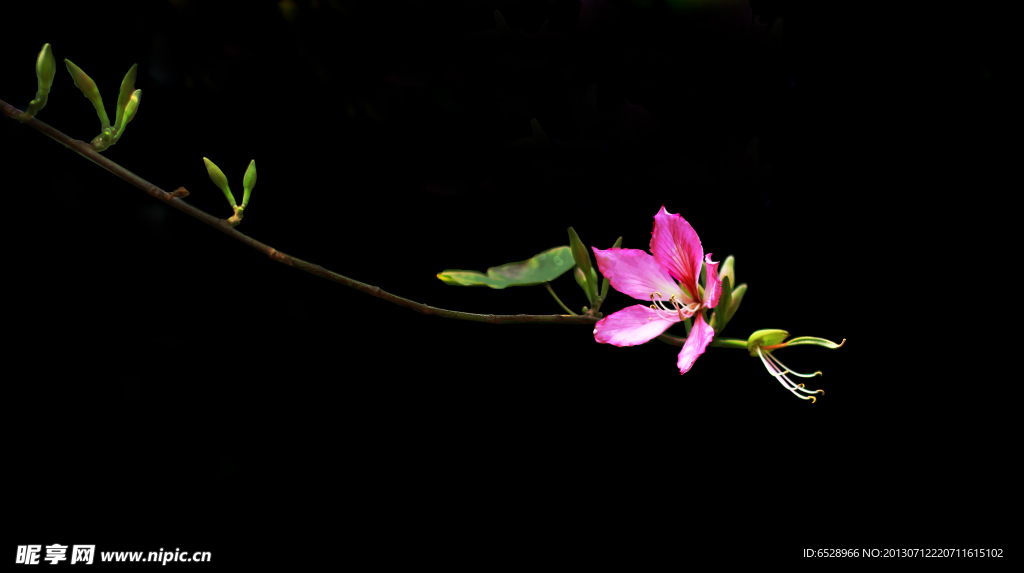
[
  {"x": 737, "y": 298},
  {"x": 249, "y": 182},
  {"x": 541, "y": 268},
  {"x": 218, "y": 178},
  {"x": 88, "y": 88},
  {"x": 581, "y": 255},
  {"x": 767, "y": 337},
  {"x": 604, "y": 283},
  {"x": 470, "y": 278},
  {"x": 720, "y": 317}
]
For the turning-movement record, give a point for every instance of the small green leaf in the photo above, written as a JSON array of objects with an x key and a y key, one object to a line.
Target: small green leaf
[
  {"x": 582, "y": 281},
  {"x": 766, "y": 337},
  {"x": 604, "y": 283},
  {"x": 737, "y": 298},
  {"x": 581, "y": 255},
  {"x": 218, "y": 178},
  {"x": 249, "y": 182},
  {"x": 88, "y": 88},
  {"x": 127, "y": 90},
  {"x": 541, "y": 268}
]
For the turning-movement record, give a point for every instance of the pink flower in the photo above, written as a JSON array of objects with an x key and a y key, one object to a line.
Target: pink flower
[{"x": 677, "y": 257}]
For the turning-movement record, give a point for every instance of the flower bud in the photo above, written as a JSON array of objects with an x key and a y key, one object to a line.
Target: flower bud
[
  {"x": 249, "y": 182},
  {"x": 125, "y": 95},
  {"x": 728, "y": 269},
  {"x": 88, "y": 87},
  {"x": 46, "y": 67},
  {"x": 218, "y": 178},
  {"x": 582, "y": 257}
]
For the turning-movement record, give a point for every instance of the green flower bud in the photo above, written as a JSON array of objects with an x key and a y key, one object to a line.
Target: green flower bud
[
  {"x": 125, "y": 95},
  {"x": 88, "y": 87},
  {"x": 46, "y": 67},
  {"x": 218, "y": 178},
  {"x": 581, "y": 280},
  {"x": 737, "y": 298},
  {"x": 249, "y": 182},
  {"x": 581, "y": 255},
  {"x": 728, "y": 269}
]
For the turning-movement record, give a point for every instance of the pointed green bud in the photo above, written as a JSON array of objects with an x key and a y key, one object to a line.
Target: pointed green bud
[
  {"x": 45, "y": 69},
  {"x": 581, "y": 255},
  {"x": 129, "y": 113},
  {"x": 126, "y": 93},
  {"x": 88, "y": 87},
  {"x": 737, "y": 298},
  {"x": 767, "y": 337},
  {"x": 604, "y": 283},
  {"x": 581, "y": 280},
  {"x": 218, "y": 178},
  {"x": 728, "y": 269},
  {"x": 249, "y": 182},
  {"x": 720, "y": 317}
]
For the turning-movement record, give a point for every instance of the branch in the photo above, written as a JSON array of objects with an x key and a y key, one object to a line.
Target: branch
[{"x": 174, "y": 200}]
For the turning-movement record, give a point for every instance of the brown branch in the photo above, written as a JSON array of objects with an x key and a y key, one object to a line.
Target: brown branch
[{"x": 175, "y": 200}]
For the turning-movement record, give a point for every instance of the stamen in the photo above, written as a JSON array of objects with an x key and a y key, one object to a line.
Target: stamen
[
  {"x": 781, "y": 366},
  {"x": 659, "y": 313},
  {"x": 788, "y": 384}
]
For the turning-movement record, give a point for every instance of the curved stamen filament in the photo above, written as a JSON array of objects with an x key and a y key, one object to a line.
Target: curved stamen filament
[
  {"x": 784, "y": 367},
  {"x": 780, "y": 375}
]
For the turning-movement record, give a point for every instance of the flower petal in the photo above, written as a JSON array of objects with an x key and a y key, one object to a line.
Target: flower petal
[
  {"x": 713, "y": 290},
  {"x": 635, "y": 273},
  {"x": 700, "y": 336},
  {"x": 676, "y": 247},
  {"x": 632, "y": 325}
]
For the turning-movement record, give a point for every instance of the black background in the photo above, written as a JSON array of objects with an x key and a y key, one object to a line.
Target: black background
[{"x": 176, "y": 388}]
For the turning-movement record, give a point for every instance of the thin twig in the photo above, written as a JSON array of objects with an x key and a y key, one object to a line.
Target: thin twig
[{"x": 175, "y": 200}]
